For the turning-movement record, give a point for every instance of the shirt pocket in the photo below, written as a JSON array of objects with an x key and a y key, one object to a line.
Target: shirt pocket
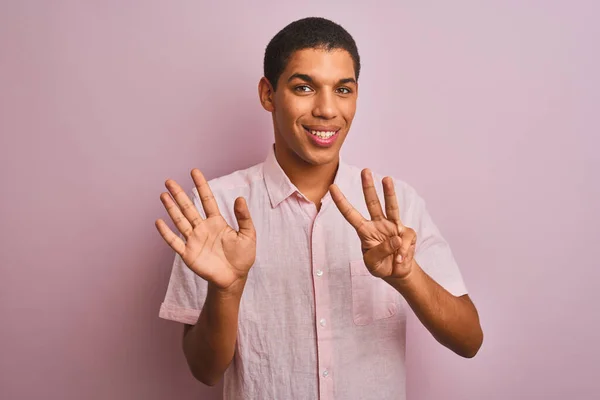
[{"x": 372, "y": 298}]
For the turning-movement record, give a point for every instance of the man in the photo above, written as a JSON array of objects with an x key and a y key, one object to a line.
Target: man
[{"x": 292, "y": 280}]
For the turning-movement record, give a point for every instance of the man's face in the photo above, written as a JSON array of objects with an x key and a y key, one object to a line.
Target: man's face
[{"x": 314, "y": 104}]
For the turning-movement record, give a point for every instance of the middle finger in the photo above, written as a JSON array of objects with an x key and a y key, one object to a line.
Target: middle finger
[
  {"x": 371, "y": 198},
  {"x": 186, "y": 206}
]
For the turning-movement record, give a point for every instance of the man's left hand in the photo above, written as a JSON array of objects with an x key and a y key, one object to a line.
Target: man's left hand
[{"x": 388, "y": 246}]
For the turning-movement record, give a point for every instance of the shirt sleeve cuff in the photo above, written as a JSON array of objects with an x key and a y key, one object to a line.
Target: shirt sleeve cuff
[
  {"x": 179, "y": 314},
  {"x": 457, "y": 289}
]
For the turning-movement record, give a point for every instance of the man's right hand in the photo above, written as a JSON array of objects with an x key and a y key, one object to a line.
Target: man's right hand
[{"x": 212, "y": 249}]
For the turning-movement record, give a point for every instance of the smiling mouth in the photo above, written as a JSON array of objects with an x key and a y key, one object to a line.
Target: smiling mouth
[{"x": 321, "y": 134}]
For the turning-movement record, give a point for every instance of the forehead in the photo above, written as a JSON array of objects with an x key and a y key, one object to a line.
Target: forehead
[{"x": 321, "y": 64}]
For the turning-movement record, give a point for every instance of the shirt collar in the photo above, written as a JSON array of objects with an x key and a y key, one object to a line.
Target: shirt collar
[{"x": 279, "y": 186}]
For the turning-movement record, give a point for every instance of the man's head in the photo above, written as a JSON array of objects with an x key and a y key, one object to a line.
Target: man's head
[
  {"x": 311, "y": 70},
  {"x": 307, "y": 33}
]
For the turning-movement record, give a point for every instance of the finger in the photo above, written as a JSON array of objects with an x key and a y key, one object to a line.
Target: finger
[
  {"x": 392, "y": 211},
  {"x": 411, "y": 252},
  {"x": 172, "y": 239},
  {"x": 242, "y": 214},
  {"x": 181, "y": 222},
  {"x": 184, "y": 203},
  {"x": 211, "y": 209},
  {"x": 409, "y": 239},
  {"x": 352, "y": 216},
  {"x": 377, "y": 254},
  {"x": 371, "y": 198}
]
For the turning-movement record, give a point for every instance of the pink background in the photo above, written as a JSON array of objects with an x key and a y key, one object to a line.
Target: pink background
[{"x": 489, "y": 110}]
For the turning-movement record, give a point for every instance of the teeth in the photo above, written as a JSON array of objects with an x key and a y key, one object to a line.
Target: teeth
[{"x": 323, "y": 134}]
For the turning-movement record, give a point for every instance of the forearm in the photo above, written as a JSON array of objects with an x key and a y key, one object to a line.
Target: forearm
[
  {"x": 453, "y": 321},
  {"x": 209, "y": 345}
]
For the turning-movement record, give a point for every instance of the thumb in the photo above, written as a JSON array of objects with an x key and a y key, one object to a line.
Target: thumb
[
  {"x": 242, "y": 215},
  {"x": 383, "y": 250}
]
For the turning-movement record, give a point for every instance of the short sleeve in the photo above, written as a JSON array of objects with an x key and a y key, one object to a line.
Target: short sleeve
[
  {"x": 433, "y": 253},
  {"x": 186, "y": 291}
]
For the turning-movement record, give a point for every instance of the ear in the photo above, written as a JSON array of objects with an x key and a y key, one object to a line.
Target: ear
[{"x": 266, "y": 94}]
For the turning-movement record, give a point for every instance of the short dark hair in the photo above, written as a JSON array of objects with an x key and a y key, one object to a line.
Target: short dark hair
[{"x": 306, "y": 33}]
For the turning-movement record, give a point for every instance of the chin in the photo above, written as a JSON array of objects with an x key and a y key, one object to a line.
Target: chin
[{"x": 320, "y": 156}]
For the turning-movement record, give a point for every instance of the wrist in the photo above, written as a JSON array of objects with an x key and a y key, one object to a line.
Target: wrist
[
  {"x": 407, "y": 282},
  {"x": 235, "y": 289}
]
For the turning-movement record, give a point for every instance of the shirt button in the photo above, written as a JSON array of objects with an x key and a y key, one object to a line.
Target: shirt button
[
  {"x": 319, "y": 272},
  {"x": 325, "y": 373},
  {"x": 322, "y": 322}
]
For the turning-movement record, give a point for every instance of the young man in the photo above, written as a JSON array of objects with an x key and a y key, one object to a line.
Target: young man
[{"x": 292, "y": 280}]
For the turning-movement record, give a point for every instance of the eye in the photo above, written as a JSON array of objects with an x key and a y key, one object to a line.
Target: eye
[
  {"x": 303, "y": 89},
  {"x": 344, "y": 90}
]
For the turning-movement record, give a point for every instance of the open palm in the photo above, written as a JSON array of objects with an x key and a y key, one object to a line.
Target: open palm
[{"x": 212, "y": 249}]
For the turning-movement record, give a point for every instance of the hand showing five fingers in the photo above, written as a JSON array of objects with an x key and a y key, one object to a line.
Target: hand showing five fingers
[
  {"x": 388, "y": 246},
  {"x": 212, "y": 249}
]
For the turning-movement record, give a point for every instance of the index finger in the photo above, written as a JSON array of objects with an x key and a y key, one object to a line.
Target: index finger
[
  {"x": 350, "y": 213},
  {"x": 211, "y": 209}
]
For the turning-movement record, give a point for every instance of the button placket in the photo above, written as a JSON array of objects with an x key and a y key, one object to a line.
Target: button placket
[{"x": 322, "y": 308}]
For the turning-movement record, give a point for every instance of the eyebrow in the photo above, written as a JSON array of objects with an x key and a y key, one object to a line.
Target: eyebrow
[{"x": 309, "y": 79}]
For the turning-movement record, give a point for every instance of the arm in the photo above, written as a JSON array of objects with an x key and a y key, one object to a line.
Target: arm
[
  {"x": 453, "y": 321},
  {"x": 388, "y": 251},
  {"x": 215, "y": 252},
  {"x": 209, "y": 345}
]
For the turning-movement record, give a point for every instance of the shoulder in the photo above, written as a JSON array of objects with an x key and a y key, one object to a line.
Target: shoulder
[
  {"x": 227, "y": 188},
  {"x": 237, "y": 181}
]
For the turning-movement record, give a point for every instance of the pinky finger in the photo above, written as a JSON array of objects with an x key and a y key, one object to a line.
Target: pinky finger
[
  {"x": 411, "y": 252},
  {"x": 172, "y": 239}
]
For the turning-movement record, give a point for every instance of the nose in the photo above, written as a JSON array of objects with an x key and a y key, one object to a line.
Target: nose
[{"x": 324, "y": 106}]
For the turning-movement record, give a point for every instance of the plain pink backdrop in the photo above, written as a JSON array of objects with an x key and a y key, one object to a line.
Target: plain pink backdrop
[{"x": 490, "y": 109}]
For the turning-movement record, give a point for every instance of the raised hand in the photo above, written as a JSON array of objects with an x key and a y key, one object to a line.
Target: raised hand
[
  {"x": 388, "y": 246},
  {"x": 212, "y": 249}
]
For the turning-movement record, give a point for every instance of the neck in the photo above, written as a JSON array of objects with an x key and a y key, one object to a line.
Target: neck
[{"x": 313, "y": 181}]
